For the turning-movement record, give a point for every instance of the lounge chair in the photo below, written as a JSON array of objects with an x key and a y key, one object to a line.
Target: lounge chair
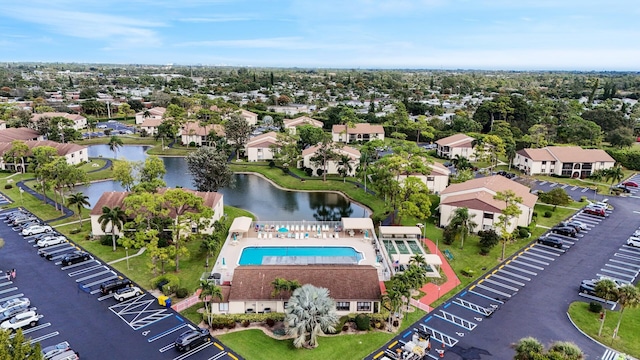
[
  {"x": 306, "y": 235},
  {"x": 270, "y": 236},
  {"x": 324, "y": 235}
]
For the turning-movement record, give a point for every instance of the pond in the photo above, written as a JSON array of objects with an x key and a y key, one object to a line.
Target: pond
[{"x": 251, "y": 192}]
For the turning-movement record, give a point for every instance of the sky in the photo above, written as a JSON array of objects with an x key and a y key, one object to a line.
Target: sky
[{"x": 353, "y": 34}]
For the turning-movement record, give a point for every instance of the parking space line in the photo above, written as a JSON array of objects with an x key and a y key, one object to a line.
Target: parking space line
[
  {"x": 166, "y": 348},
  {"x": 624, "y": 262},
  {"x": 82, "y": 271},
  {"x": 218, "y": 356},
  {"x": 11, "y": 297},
  {"x": 622, "y": 268},
  {"x": 105, "y": 297},
  {"x": 165, "y": 333},
  {"x": 94, "y": 275},
  {"x": 44, "y": 337},
  {"x": 534, "y": 260},
  {"x": 633, "y": 248},
  {"x": 137, "y": 313},
  {"x": 522, "y": 270},
  {"x": 8, "y": 290},
  {"x": 529, "y": 265},
  {"x": 490, "y": 281},
  {"x": 7, "y": 283},
  {"x": 473, "y": 307},
  {"x": 618, "y": 274},
  {"x": 632, "y": 252},
  {"x": 553, "y": 184},
  {"x": 573, "y": 188},
  {"x": 507, "y": 279},
  {"x": 584, "y": 190},
  {"x": 545, "y": 250},
  {"x": 543, "y": 182},
  {"x": 456, "y": 320},
  {"x": 564, "y": 186},
  {"x": 193, "y": 351},
  {"x": 533, "y": 253},
  {"x": 493, "y": 290},
  {"x": 613, "y": 277},
  {"x": 625, "y": 256},
  {"x": 30, "y": 330},
  {"x": 440, "y": 336},
  {"x": 514, "y": 275}
]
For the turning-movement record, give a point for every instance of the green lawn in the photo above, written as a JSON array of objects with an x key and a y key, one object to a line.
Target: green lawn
[
  {"x": 45, "y": 212},
  {"x": 254, "y": 344},
  {"x": 628, "y": 339}
]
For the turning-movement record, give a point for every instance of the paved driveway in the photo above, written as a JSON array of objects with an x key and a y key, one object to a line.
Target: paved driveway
[
  {"x": 73, "y": 310},
  {"x": 529, "y": 294}
]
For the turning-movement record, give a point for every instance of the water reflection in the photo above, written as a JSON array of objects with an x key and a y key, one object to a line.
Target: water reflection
[{"x": 251, "y": 192}]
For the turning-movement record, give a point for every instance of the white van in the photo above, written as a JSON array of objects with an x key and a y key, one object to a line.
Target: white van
[{"x": 67, "y": 355}]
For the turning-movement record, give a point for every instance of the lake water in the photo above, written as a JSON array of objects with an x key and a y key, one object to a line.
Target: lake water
[{"x": 251, "y": 192}]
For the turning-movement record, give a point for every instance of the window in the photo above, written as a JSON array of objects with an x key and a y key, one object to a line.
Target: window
[
  {"x": 487, "y": 215},
  {"x": 364, "y": 306},
  {"x": 553, "y": 163},
  {"x": 601, "y": 162},
  {"x": 73, "y": 155},
  {"x": 430, "y": 178},
  {"x": 544, "y": 163},
  {"x": 223, "y": 307},
  {"x": 343, "y": 306},
  {"x": 81, "y": 154}
]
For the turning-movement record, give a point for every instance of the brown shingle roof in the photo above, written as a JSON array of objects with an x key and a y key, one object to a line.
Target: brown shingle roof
[
  {"x": 10, "y": 134},
  {"x": 194, "y": 128},
  {"x": 345, "y": 282},
  {"x": 347, "y": 150},
  {"x": 74, "y": 117},
  {"x": 361, "y": 128},
  {"x": 148, "y": 122},
  {"x": 302, "y": 120},
  {"x": 116, "y": 198},
  {"x": 263, "y": 140},
  {"x": 495, "y": 183},
  {"x": 62, "y": 149},
  {"x": 481, "y": 200},
  {"x": 439, "y": 169},
  {"x": 457, "y": 140},
  {"x": 537, "y": 154},
  {"x": 575, "y": 154}
]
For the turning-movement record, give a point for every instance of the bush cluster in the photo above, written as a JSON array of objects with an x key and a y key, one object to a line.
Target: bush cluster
[{"x": 167, "y": 283}]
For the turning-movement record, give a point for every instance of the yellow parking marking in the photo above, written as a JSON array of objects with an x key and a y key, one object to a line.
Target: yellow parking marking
[
  {"x": 232, "y": 356},
  {"x": 520, "y": 253},
  {"x": 494, "y": 271},
  {"x": 508, "y": 262},
  {"x": 392, "y": 344},
  {"x": 378, "y": 354},
  {"x": 218, "y": 346},
  {"x": 480, "y": 282},
  {"x": 471, "y": 287},
  {"x": 501, "y": 266}
]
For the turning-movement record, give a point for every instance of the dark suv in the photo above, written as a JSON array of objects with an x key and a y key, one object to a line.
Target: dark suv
[
  {"x": 74, "y": 258},
  {"x": 191, "y": 338},
  {"x": 110, "y": 286},
  {"x": 549, "y": 241},
  {"x": 564, "y": 230}
]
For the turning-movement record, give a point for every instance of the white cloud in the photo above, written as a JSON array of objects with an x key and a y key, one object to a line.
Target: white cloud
[
  {"x": 210, "y": 19},
  {"x": 282, "y": 43}
]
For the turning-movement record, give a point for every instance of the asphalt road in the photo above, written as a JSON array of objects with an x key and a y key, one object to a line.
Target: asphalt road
[
  {"x": 73, "y": 310},
  {"x": 529, "y": 294}
]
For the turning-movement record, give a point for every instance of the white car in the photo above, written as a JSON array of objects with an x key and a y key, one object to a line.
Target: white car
[
  {"x": 127, "y": 293},
  {"x": 53, "y": 350},
  {"x": 102, "y": 126},
  {"x": 52, "y": 240},
  {"x": 28, "y": 318},
  {"x": 36, "y": 229},
  {"x": 633, "y": 241},
  {"x": 13, "y": 303}
]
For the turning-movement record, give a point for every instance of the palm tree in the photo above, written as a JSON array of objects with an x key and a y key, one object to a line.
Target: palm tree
[
  {"x": 115, "y": 217},
  {"x": 280, "y": 285},
  {"x": 310, "y": 312},
  {"x": 628, "y": 297},
  {"x": 114, "y": 144},
  {"x": 614, "y": 174},
  {"x": 608, "y": 290},
  {"x": 345, "y": 167},
  {"x": 462, "y": 223},
  {"x": 461, "y": 162},
  {"x": 394, "y": 298},
  {"x": 81, "y": 201},
  {"x": 210, "y": 291}
]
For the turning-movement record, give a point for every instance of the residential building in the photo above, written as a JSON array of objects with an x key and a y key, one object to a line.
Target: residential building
[
  {"x": 79, "y": 122},
  {"x": 478, "y": 196},
  {"x": 292, "y": 124},
  {"x": 436, "y": 181},
  {"x": 112, "y": 199},
  {"x": 74, "y": 154},
  {"x": 150, "y": 126},
  {"x": 194, "y": 132},
  {"x": 24, "y": 134},
  {"x": 153, "y": 113},
  {"x": 252, "y": 118},
  {"x": 355, "y": 288},
  {"x": 458, "y": 144},
  {"x": 332, "y": 165},
  {"x": 260, "y": 148},
  {"x": 569, "y": 161},
  {"x": 357, "y": 132}
]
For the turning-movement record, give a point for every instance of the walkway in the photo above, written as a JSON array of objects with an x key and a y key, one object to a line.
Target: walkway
[{"x": 433, "y": 291}]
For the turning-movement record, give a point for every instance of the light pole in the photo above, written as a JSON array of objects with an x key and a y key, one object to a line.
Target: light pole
[
  {"x": 21, "y": 192},
  {"x": 126, "y": 249}
]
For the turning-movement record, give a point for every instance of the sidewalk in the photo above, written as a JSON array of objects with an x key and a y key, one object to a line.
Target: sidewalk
[{"x": 431, "y": 290}]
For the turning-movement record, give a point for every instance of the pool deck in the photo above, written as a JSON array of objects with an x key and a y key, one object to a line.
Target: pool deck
[{"x": 231, "y": 250}]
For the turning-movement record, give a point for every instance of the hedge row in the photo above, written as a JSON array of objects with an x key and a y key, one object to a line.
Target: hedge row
[{"x": 626, "y": 157}]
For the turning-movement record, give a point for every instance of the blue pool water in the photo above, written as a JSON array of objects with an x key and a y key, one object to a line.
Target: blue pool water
[{"x": 280, "y": 255}]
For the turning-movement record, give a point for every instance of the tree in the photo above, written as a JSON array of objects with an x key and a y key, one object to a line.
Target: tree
[
  {"x": 310, "y": 313},
  {"x": 64, "y": 176},
  {"x": 462, "y": 223},
  {"x": 461, "y": 176},
  {"x": 286, "y": 150},
  {"x": 144, "y": 207},
  {"x": 152, "y": 170},
  {"x": 237, "y": 131},
  {"x": 615, "y": 174},
  {"x": 608, "y": 290},
  {"x": 114, "y": 144},
  {"x": 309, "y": 135},
  {"x": 325, "y": 152},
  {"x": 413, "y": 200},
  {"x": 628, "y": 296},
  {"x": 528, "y": 349},
  {"x": 576, "y": 130},
  {"x": 43, "y": 156},
  {"x": 621, "y": 137},
  {"x": 537, "y": 136},
  {"x": 510, "y": 211},
  {"x": 344, "y": 166},
  {"x": 124, "y": 110},
  {"x": 81, "y": 201},
  {"x": 209, "y": 169},
  {"x": 17, "y": 151},
  {"x": 393, "y": 298},
  {"x": 461, "y": 162},
  {"x": 531, "y": 349},
  {"x": 556, "y": 196},
  {"x": 115, "y": 217},
  {"x": 17, "y": 347},
  {"x": 210, "y": 292},
  {"x": 123, "y": 173}
]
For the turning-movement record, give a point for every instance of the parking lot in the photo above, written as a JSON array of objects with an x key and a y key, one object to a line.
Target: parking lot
[
  {"x": 115, "y": 127},
  {"x": 528, "y": 294},
  {"x": 73, "y": 309}
]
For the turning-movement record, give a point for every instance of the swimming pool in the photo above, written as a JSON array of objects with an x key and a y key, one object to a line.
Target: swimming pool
[{"x": 299, "y": 255}]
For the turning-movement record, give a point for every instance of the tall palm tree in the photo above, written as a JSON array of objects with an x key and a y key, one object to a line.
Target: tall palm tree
[
  {"x": 394, "y": 298},
  {"x": 114, "y": 144},
  {"x": 81, "y": 201},
  {"x": 310, "y": 312},
  {"x": 115, "y": 217},
  {"x": 628, "y": 297},
  {"x": 608, "y": 290},
  {"x": 614, "y": 174},
  {"x": 210, "y": 292},
  {"x": 345, "y": 166},
  {"x": 463, "y": 224}
]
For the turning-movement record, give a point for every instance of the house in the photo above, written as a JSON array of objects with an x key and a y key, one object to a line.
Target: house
[
  {"x": 477, "y": 195},
  {"x": 570, "y": 161},
  {"x": 150, "y": 126},
  {"x": 112, "y": 199},
  {"x": 73, "y": 153},
  {"x": 356, "y": 291},
  {"x": 458, "y": 144},
  {"x": 357, "y": 132},
  {"x": 24, "y": 134},
  {"x": 332, "y": 165},
  {"x": 79, "y": 121},
  {"x": 292, "y": 124},
  {"x": 153, "y": 113},
  {"x": 252, "y": 118},
  {"x": 436, "y": 181},
  {"x": 259, "y": 148},
  {"x": 194, "y": 132}
]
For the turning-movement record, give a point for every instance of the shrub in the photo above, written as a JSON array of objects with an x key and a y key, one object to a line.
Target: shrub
[
  {"x": 484, "y": 250},
  {"x": 192, "y": 144},
  {"x": 583, "y": 199},
  {"x": 535, "y": 214},
  {"x": 340, "y": 326},
  {"x": 548, "y": 214},
  {"x": 8, "y": 186},
  {"x": 270, "y": 322},
  {"x": 106, "y": 240},
  {"x": 523, "y": 233},
  {"x": 272, "y": 164},
  {"x": 488, "y": 239},
  {"x": 167, "y": 283},
  {"x": 75, "y": 231},
  {"x": 448, "y": 235},
  {"x": 363, "y": 322},
  {"x": 182, "y": 293},
  {"x": 246, "y": 323},
  {"x": 231, "y": 324},
  {"x": 595, "y": 307},
  {"x": 319, "y": 172},
  {"x": 308, "y": 171}
]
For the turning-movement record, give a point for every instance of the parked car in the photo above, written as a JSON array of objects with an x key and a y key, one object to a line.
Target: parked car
[
  {"x": 594, "y": 211},
  {"x": 550, "y": 241},
  {"x": 9, "y": 313},
  {"x": 53, "y": 350},
  {"x": 633, "y": 241},
  {"x": 53, "y": 240},
  {"x": 14, "y": 303},
  {"x": 14, "y": 214},
  {"x": 571, "y": 224},
  {"x": 27, "y": 318},
  {"x": 75, "y": 257},
  {"x": 564, "y": 230},
  {"x": 191, "y": 338},
  {"x": 630, "y": 184},
  {"x": 36, "y": 229},
  {"x": 102, "y": 126},
  {"x": 110, "y": 286},
  {"x": 67, "y": 355},
  {"x": 589, "y": 286},
  {"x": 27, "y": 225},
  {"x": 578, "y": 224},
  {"x": 23, "y": 219},
  {"x": 127, "y": 293},
  {"x": 622, "y": 188}
]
